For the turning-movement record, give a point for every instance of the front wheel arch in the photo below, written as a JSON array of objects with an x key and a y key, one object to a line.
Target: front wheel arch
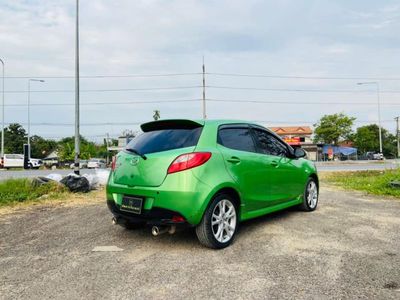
[{"x": 315, "y": 177}]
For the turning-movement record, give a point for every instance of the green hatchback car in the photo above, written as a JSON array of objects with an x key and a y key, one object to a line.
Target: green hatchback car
[{"x": 209, "y": 174}]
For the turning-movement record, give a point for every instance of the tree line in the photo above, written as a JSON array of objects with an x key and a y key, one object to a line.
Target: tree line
[
  {"x": 337, "y": 128},
  {"x": 330, "y": 129},
  {"x": 15, "y": 136}
]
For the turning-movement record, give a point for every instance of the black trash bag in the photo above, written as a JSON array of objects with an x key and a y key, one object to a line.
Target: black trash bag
[{"x": 76, "y": 184}]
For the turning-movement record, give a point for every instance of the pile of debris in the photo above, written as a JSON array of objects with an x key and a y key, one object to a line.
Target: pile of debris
[{"x": 76, "y": 183}]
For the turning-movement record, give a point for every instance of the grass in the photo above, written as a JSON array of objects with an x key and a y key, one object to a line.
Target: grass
[
  {"x": 14, "y": 191},
  {"x": 372, "y": 182}
]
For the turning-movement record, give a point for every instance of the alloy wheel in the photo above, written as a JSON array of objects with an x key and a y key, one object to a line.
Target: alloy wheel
[
  {"x": 223, "y": 221},
  {"x": 312, "y": 194}
]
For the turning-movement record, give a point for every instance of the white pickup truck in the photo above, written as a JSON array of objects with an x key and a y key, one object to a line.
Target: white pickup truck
[{"x": 17, "y": 161}]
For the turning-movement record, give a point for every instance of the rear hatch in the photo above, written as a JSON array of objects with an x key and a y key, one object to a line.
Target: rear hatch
[{"x": 145, "y": 160}]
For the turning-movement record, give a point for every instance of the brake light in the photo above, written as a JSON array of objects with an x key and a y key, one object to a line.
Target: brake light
[
  {"x": 188, "y": 161},
  {"x": 113, "y": 162}
]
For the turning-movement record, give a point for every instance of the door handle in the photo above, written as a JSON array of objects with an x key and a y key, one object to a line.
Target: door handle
[
  {"x": 234, "y": 160},
  {"x": 274, "y": 163}
]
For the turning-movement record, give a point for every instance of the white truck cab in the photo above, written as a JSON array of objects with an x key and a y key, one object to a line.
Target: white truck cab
[{"x": 17, "y": 161}]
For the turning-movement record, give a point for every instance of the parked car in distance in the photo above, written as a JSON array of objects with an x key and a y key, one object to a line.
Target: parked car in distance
[
  {"x": 17, "y": 161},
  {"x": 96, "y": 163},
  {"x": 374, "y": 155},
  {"x": 207, "y": 174},
  {"x": 83, "y": 164}
]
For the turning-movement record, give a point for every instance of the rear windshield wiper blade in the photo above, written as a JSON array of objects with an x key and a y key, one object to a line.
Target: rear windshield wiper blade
[{"x": 136, "y": 152}]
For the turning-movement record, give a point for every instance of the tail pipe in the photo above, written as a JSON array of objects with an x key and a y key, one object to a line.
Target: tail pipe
[{"x": 158, "y": 230}]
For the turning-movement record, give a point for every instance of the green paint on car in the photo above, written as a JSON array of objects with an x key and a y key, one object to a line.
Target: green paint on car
[{"x": 209, "y": 174}]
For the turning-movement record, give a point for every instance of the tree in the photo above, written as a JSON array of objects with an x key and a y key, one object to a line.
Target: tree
[
  {"x": 331, "y": 129},
  {"x": 41, "y": 147},
  {"x": 366, "y": 139},
  {"x": 14, "y": 138},
  {"x": 66, "y": 149},
  {"x": 156, "y": 115}
]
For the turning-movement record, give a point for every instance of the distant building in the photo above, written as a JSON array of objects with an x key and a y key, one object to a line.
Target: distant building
[
  {"x": 122, "y": 142},
  {"x": 298, "y": 136}
]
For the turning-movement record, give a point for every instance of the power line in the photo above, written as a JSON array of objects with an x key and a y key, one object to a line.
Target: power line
[
  {"x": 139, "y": 123},
  {"x": 212, "y": 74},
  {"x": 297, "y": 90},
  {"x": 108, "y": 103},
  {"x": 106, "y": 76},
  {"x": 302, "y": 77},
  {"x": 108, "y": 90},
  {"x": 208, "y": 86},
  {"x": 301, "y": 102},
  {"x": 208, "y": 99}
]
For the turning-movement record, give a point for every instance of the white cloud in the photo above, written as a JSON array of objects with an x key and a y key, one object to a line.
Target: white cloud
[{"x": 323, "y": 38}]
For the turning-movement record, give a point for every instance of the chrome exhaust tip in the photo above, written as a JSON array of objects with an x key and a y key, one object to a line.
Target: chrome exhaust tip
[
  {"x": 114, "y": 221},
  {"x": 156, "y": 230}
]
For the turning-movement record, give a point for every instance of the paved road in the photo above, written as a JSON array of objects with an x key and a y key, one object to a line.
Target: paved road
[
  {"x": 357, "y": 166},
  {"x": 347, "y": 249},
  {"x": 322, "y": 166}
]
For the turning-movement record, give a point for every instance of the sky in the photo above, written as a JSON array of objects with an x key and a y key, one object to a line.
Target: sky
[{"x": 302, "y": 60}]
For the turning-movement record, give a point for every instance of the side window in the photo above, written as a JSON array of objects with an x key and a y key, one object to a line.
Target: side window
[
  {"x": 268, "y": 144},
  {"x": 236, "y": 138}
]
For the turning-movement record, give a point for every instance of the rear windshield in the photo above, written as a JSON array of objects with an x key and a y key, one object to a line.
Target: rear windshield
[{"x": 166, "y": 139}]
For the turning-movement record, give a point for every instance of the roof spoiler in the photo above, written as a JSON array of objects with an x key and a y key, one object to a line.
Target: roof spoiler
[{"x": 171, "y": 124}]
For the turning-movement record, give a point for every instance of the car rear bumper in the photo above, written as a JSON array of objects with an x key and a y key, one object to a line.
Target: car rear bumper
[
  {"x": 155, "y": 216},
  {"x": 181, "y": 194}
]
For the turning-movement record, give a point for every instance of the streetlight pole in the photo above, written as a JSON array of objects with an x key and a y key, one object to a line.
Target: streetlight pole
[
  {"x": 379, "y": 111},
  {"x": 398, "y": 136},
  {"x": 2, "y": 113},
  {"x": 77, "y": 142},
  {"x": 204, "y": 91},
  {"x": 29, "y": 112}
]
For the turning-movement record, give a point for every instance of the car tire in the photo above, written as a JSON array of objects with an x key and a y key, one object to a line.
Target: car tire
[
  {"x": 310, "y": 196},
  {"x": 220, "y": 234}
]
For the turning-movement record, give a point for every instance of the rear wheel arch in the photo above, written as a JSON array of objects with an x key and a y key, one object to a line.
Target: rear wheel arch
[{"x": 231, "y": 192}]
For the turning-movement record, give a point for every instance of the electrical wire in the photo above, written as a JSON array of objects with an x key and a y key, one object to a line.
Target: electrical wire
[
  {"x": 106, "y": 76},
  {"x": 139, "y": 123},
  {"x": 106, "y": 103},
  {"x": 298, "y": 90},
  {"x": 106, "y": 90},
  {"x": 303, "y": 77},
  {"x": 208, "y": 100}
]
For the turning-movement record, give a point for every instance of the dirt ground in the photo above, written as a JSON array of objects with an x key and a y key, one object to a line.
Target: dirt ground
[{"x": 348, "y": 248}]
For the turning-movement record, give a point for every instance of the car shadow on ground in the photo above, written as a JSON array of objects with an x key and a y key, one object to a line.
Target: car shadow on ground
[{"x": 186, "y": 237}]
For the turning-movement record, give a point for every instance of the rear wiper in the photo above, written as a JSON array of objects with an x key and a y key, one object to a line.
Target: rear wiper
[{"x": 136, "y": 152}]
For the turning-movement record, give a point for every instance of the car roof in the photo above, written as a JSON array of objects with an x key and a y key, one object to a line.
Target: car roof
[{"x": 189, "y": 122}]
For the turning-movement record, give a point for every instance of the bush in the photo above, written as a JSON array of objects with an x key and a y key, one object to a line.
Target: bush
[{"x": 20, "y": 190}]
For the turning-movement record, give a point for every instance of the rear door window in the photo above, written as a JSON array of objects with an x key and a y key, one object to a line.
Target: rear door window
[
  {"x": 165, "y": 139},
  {"x": 236, "y": 138}
]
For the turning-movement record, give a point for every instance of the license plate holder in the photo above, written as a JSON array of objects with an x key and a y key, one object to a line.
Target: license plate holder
[{"x": 132, "y": 204}]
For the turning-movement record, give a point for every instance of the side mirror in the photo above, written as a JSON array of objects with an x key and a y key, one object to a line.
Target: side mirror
[{"x": 299, "y": 152}]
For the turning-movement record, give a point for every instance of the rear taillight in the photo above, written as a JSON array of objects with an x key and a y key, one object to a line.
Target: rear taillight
[
  {"x": 113, "y": 162},
  {"x": 188, "y": 161}
]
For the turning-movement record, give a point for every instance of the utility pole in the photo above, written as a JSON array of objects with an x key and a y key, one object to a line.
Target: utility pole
[
  {"x": 29, "y": 113},
  {"x": 204, "y": 91},
  {"x": 77, "y": 142},
  {"x": 2, "y": 118},
  {"x": 398, "y": 136},
  {"x": 379, "y": 111}
]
